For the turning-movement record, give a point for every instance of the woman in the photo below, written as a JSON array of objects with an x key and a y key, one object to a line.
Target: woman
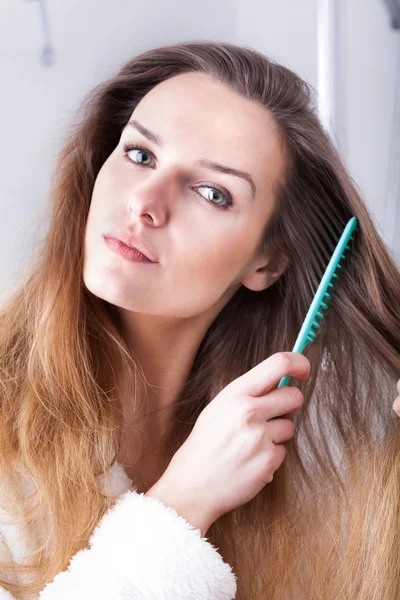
[{"x": 139, "y": 408}]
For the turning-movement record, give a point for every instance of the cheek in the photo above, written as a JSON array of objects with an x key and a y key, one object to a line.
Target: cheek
[
  {"x": 217, "y": 257},
  {"x": 103, "y": 205},
  {"x": 109, "y": 184},
  {"x": 97, "y": 202}
]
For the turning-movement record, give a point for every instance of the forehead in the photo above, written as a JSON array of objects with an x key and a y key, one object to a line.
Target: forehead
[{"x": 203, "y": 118}]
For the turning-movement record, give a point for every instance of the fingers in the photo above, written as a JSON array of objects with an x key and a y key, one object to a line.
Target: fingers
[
  {"x": 279, "y": 403},
  {"x": 396, "y": 403},
  {"x": 291, "y": 415},
  {"x": 266, "y": 375},
  {"x": 280, "y": 430}
]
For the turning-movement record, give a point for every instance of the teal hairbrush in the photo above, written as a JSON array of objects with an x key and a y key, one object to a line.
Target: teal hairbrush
[{"x": 322, "y": 296}]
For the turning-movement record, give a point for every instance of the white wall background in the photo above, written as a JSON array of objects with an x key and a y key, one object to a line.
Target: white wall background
[{"x": 93, "y": 38}]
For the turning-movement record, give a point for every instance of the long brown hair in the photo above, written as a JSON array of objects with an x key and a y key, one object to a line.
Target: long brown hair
[{"x": 327, "y": 527}]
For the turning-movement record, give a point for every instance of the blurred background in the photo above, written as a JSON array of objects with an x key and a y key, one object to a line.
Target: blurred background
[{"x": 52, "y": 52}]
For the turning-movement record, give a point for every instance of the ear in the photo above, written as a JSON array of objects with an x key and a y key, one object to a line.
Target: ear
[{"x": 266, "y": 271}]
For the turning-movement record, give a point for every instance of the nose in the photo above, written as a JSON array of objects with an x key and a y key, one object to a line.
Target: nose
[{"x": 149, "y": 201}]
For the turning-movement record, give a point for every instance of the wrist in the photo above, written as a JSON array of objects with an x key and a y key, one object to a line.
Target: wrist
[{"x": 185, "y": 507}]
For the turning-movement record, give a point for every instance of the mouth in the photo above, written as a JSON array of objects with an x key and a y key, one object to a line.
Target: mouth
[
  {"x": 130, "y": 241},
  {"x": 127, "y": 252}
]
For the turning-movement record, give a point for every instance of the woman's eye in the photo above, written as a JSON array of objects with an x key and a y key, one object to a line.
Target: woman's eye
[
  {"x": 129, "y": 149},
  {"x": 225, "y": 202}
]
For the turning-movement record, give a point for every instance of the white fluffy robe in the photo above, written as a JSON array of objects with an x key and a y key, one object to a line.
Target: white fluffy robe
[{"x": 140, "y": 550}]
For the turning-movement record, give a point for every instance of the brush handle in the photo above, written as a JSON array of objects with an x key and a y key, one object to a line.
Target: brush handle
[{"x": 284, "y": 381}]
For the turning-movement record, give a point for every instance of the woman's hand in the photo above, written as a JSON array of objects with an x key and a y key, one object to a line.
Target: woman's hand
[
  {"x": 396, "y": 403},
  {"x": 237, "y": 442}
]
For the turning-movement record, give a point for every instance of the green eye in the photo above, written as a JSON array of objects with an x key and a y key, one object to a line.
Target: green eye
[{"x": 224, "y": 202}]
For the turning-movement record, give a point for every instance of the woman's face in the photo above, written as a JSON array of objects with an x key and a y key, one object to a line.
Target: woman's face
[{"x": 202, "y": 225}]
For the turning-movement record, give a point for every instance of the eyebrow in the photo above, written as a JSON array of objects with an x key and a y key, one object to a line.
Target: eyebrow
[{"x": 203, "y": 162}]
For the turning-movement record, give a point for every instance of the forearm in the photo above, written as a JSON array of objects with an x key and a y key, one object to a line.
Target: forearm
[{"x": 195, "y": 515}]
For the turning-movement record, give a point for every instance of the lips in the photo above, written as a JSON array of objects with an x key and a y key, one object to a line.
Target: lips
[{"x": 132, "y": 241}]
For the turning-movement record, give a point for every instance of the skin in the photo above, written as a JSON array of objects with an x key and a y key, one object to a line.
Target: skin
[
  {"x": 396, "y": 403},
  {"x": 205, "y": 253}
]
